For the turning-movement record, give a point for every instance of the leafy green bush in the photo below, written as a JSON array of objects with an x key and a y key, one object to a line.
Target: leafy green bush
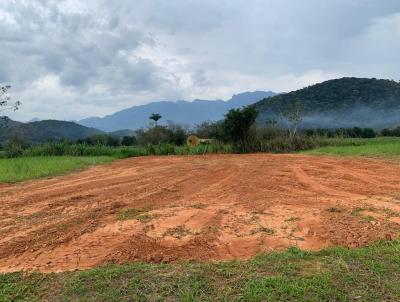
[{"x": 15, "y": 147}]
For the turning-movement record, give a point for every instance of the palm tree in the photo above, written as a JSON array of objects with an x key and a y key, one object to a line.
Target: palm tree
[{"x": 155, "y": 117}]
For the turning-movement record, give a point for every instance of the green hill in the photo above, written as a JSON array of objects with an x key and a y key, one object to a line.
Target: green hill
[
  {"x": 345, "y": 102},
  {"x": 43, "y": 131}
]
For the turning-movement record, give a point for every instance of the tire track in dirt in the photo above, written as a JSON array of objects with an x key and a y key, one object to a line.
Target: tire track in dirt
[{"x": 215, "y": 207}]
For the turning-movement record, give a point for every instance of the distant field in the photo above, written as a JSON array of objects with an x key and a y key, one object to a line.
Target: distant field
[
  {"x": 25, "y": 168},
  {"x": 382, "y": 146},
  {"x": 337, "y": 274}
]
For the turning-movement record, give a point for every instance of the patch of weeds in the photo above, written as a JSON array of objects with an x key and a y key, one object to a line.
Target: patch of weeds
[
  {"x": 264, "y": 230},
  {"x": 178, "y": 232},
  {"x": 292, "y": 219},
  {"x": 132, "y": 213},
  {"x": 357, "y": 212},
  {"x": 369, "y": 218},
  {"x": 334, "y": 210},
  {"x": 127, "y": 214},
  {"x": 144, "y": 218},
  {"x": 198, "y": 205},
  {"x": 66, "y": 225}
]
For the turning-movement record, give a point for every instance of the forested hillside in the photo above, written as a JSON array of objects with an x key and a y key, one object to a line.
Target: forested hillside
[
  {"x": 345, "y": 102},
  {"x": 43, "y": 131}
]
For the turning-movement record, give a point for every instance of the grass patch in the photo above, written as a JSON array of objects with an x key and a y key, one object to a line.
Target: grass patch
[
  {"x": 131, "y": 213},
  {"x": 25, "y": 168},
  {"x": 380, "y": 146},
  {"x": 128, "y": 214},
  {"x": 336, "y": 274}
]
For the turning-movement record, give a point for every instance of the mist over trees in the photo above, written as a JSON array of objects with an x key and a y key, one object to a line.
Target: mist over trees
[{"x": 340, "y": 103}]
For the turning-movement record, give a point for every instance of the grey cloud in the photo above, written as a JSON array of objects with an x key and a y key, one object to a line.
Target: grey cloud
[{"x": 121, "y": 53}]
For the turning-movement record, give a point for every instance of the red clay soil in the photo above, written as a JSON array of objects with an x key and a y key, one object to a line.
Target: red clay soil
[{"x": 213, "y": 207}]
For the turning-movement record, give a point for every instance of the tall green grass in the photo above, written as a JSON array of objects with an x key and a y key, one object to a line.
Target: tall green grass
[
  {"x": 25, "y": 168},
  {"x": 59, "y": 149}
]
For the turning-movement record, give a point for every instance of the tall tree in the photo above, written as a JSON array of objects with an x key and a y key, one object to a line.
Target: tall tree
[
  {"x": 237, "y": 125},
  {"x": 155, "y": 117}
]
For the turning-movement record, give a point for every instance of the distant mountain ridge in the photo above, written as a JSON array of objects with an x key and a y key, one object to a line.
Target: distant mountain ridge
[
  {"x": 182, "y": 112},
  {"x": 345, "y": 102}
]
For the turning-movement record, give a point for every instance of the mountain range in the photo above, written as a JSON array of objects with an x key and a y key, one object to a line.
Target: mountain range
[
  {"x": 182, "y": 112},
  {"x": 345, "y": 102}
]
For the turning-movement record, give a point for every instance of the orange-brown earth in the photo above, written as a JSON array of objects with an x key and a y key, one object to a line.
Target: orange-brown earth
[{"x": 162, "y": 209}]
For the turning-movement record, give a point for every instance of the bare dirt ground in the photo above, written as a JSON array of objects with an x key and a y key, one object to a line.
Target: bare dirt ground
[{"x": 214, "y": 207}]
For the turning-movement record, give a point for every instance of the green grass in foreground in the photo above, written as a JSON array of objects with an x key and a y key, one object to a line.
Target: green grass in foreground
[
  {"x": 381, "y": 146},
  {"x": 338, "y": 274},
  {"x": 25, "y": 168}
]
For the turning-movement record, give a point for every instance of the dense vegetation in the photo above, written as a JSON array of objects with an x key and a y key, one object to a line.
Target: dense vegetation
[
  {"x": 391, "y": 132},
  {"x": 354, "y": 132},
  {"x": 345, "y": 102},
  {"x": 336, "y": 274},
  {"x": 342, "y": 94},
  {"x": 43, "y": 131}
]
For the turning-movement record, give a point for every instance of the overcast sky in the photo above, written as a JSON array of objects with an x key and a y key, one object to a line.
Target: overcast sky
[{"x": 73, "y": 59}]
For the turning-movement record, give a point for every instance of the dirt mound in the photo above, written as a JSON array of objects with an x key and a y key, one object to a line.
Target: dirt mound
[{"x": 162, "y": 209}]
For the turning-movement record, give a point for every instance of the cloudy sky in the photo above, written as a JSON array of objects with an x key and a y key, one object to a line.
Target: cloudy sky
[{"x": 73, "y": 59}]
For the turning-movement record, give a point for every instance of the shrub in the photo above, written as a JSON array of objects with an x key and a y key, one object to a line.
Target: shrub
[
  {"x": 15, "y": 147},
  {"x": 128, "y": 141}
]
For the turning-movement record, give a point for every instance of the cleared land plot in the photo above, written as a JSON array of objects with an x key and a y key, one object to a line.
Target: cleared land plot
[{"x": 213, "y": 207}]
